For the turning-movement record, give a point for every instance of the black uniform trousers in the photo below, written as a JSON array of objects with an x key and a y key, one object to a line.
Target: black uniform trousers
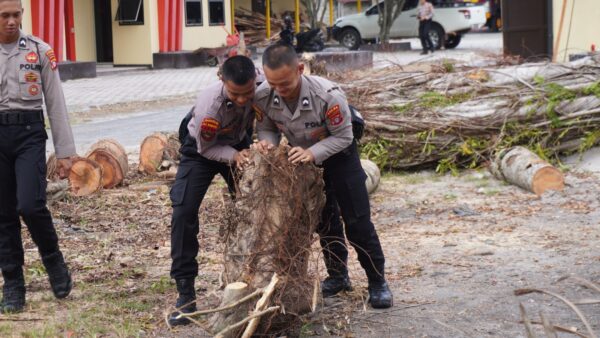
[
  {"x": 23, "y": 192},
  {"x": 194, "y": 175},
  {"x": 346, "y": 193},
  {"x": 424, "y": 27}
]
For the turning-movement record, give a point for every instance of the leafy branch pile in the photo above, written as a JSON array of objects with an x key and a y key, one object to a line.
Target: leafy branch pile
[{"x": 449, "y": 117}]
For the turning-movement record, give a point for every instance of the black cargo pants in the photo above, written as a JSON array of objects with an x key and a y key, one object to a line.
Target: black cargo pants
[
  {"x": 23, "y": 188},
  {"x": 194, "y": 175},
  {"x": 345, "y": 187}
]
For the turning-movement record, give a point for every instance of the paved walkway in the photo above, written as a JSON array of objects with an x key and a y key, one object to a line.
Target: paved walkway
[{"x": 149, "y": 85}]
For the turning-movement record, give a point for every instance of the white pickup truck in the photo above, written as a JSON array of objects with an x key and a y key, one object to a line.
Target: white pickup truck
[{"x": 450, "y": 22}]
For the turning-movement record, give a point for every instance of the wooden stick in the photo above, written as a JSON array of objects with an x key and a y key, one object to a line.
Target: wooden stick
[
  {"x": 252, "y": 317},
  {"x": 520, "y": 292},
  {"x": 260, "y": 305},
  {"x": 550, "y": 333},
  {"x": 526, "y": 322},
  {"x": 224, "y": 308}
]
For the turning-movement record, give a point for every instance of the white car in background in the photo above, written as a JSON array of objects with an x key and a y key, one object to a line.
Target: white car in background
[{"x": 451, "y": 20}]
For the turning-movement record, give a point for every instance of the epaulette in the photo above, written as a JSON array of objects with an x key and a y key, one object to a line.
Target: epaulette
[
  {"x": 36, "y": 40},
  {"x": 261, "y": 93}
]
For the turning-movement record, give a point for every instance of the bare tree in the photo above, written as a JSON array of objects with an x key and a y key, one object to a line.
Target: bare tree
[
  {"x": 387, "y": 16},
  {"x": 315, "y": 9}
]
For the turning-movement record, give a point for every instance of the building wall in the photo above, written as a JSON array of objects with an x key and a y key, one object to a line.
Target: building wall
[
  {"x": 26, "y": 23},
  {"x": 134, "y": 44},
  {"x": 277, "y": 6},
  {"x": 580, "y": 27},
  {"x": 85, "y": 30},
  {"x": 194, "y": 37}
]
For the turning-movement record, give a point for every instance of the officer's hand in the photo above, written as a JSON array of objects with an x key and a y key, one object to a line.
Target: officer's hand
[
  {"x": 64, "y": 166},
  {"x": 262, "y": 146},
  {"x": 242, "y": 158},
  {"x": 299, "y": 155}
]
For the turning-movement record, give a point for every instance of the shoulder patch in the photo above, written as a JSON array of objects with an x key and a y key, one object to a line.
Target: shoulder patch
[
  {"x": 334, "y": 115},
  {"x": 208, "y": 129},
  {"x": 258, "y": 113},
  {"x": 52, "y": 58}
]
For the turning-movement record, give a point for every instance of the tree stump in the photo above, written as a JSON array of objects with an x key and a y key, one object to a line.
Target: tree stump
[
  {"x": 373, "y": 175},
  {"x": 156, "y": 149},
  {"x": 85, "y": 177},
  {"x": 270, "y": 229},
  {"x": 521, "y": 167},
  {"x": 113, "y": 159}
]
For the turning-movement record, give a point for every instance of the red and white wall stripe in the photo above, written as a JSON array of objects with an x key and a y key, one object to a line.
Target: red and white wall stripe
[
  {"x": 48, "y": 23},
  {"x": 170, "y": 24}
]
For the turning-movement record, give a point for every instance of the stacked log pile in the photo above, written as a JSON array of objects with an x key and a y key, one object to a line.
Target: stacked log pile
[
  {"x": 254, "y": 26},
  {"x": 447, "y": 118}
]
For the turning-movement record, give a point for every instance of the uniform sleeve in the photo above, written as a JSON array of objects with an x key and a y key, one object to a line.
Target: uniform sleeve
[
  {"x": 56, "y": 108},
  {"x": 339, "y": 124},
  {"x": 205, "y": 127}
]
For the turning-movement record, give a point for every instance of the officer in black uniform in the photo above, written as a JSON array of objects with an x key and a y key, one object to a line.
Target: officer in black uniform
[
  {"x": 28, "y": 74},
  {"x": 215, "y": 142},
  {"x": 313, "y": 114}
]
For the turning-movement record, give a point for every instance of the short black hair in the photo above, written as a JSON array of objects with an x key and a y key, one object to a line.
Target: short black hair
[
  {"x": 278, "y": 55},
  {"x": 238, "y": 69}
]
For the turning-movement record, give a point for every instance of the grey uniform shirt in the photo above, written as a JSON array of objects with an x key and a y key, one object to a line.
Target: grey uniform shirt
[
  {"x": 321, "y": 121},
  {"x": 28, "y": 74},
  {"x": 218, "y": 124}
]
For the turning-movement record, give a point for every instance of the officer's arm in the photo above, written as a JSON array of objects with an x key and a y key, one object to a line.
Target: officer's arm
[
  {"x": 56, "y": 107},
  {"x": 339, "y": 124},
  {"x": 206, "y": 125},
  {"x": 266, "y": 128}
]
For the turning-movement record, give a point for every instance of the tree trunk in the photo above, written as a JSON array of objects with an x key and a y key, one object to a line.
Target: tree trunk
[
  {"x": 270, "y": 229},
  {"x": 521, "y": 167},
  {"x": 156, "y": 149},
  {"x": 113, "y": 159},
  {"x": 85, "y": 177},
  {"x": 391, "y": 11}
]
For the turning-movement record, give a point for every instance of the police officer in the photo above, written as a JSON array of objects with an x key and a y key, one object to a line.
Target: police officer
[
  {"x": 313, "y": 114},
  {"x": 28, "y": 73},
  {"x": 217, "y": 143}
]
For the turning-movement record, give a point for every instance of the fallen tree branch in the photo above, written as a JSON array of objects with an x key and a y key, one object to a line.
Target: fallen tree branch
[
  {"x": 252, "y": 317},
  {"x": 260, "y": 305}
]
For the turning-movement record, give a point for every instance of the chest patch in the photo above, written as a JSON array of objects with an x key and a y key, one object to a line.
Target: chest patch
[
  {"x": 31, "y": 57},
  {"x": 309, "y": 125},
  {"x": 31, "y": 77}
]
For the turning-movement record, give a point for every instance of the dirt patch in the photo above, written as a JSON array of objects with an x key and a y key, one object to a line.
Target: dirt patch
[{"x": 456, "y": 249}]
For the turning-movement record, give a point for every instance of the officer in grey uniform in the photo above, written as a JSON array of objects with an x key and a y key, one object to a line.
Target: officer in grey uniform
[
  {"x": 314, "y": 116},
  {"x": 28, "y": 73},
  {"x": 216, "y": 143}
]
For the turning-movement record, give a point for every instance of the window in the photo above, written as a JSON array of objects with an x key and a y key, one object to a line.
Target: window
[
  {"x": 130, "y": 12},
  {"x": 193, "y": 12},
  {"x": 410, "y": 4},
  {"x": 216, "y": 12}
]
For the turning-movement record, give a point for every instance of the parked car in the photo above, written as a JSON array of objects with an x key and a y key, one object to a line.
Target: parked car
[{"x": 449, "y": 24}]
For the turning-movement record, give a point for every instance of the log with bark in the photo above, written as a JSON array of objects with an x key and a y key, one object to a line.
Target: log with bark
[
  {"x": 268, "y": 234},
  {"x": 444, "y": 118},
  {"x": 521, "y": 167},
  {"x": 112, "y": 157},
  {"x": 271, "y": 228},
  {"x": 159, "y": 152},
  {"x": 254, "y": 27},
  {"x": 85, "y": 177}
]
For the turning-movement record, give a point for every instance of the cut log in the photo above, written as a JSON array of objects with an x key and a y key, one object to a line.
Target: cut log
[
  {"x": 233, "y": 292},
  {"x": 113, "y": 159},
  {"x": 270, "y": 230},
  {"x": 373, "y": 175},
  {"x": 155, "y": 149},
  {"x": 521, "y": 167},
  {"x": 85, "y": 177}
]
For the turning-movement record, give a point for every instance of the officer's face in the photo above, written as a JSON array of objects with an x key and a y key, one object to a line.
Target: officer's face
[
  {"x": 240, "y": 95},
  {"x": 285, "y": 80},
  {"x": 11, "y": 14}
]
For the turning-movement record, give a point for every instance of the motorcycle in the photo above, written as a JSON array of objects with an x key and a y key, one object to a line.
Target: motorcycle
[{"x": 309, "y": 41}]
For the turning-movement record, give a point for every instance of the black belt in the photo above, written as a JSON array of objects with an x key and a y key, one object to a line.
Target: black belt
[{"x": 21, "y": 117}]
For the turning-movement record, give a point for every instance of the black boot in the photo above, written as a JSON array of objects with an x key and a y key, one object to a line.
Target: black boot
[
  {"x": 380, "y": 295},
  {"x": 58, "y": 274},
  {"x": 13, "y": 292},
  {"x": 333, "y": 285},
  {"x": 186, "y": 302}
]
